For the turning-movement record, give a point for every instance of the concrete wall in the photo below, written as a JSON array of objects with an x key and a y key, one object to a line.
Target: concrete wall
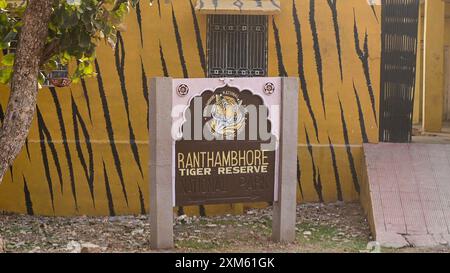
[
  {"x": 419, "y": 75},
  {"x": 87, "y": 150}
]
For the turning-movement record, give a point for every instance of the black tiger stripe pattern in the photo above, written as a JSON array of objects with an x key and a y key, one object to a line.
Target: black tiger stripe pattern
[
  {"x": 363, "y": 55},
  {"x": 317, "y": 54},
  {"x": 120, "y": 67},
  {"x": 87, "y": 143},
  {"x": 198, "y": 39},
  {"x": 349, "y": 150},
  {"x": 316, "y": 175},
  {"x": 89, "y": 167},
  {"x": 336, "y": 171},
  {"x": 281, "y": 69},
  {"x": 301, "y": 71},
  {"x": 110, "y": 131},
  {"x": 333, "y": 8},
  {"x": 362, "y": 124},
  {"x": 27, "y": 195},
  {"x": 62, "y": 127}
]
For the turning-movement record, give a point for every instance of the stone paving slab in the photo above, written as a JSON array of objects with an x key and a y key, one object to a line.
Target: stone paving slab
[{"x": 409, "y": 191}]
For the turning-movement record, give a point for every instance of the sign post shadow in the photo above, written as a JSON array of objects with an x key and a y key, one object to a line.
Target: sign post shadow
[{"x": 190, "y": 172}]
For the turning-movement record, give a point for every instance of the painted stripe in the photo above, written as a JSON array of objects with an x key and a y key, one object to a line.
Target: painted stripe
[
  {"x": 141, "y": 201},
  {"x": 145, "y": 90},
  {"x": 109, "y": 129},
  {"x": 333, "y": 8},
  {"x": 301, "y": 71},
  {"x": 120, "y": 67},
  {"x": 2, "y": 114},
  {"x": 179, "y": 45},
  {"x": 363, "y": 55},
  {"x": 299, "y": 178},
  {"x": 27, "y": 194},
  {"x": 317, "y": 54},
  {"x": 180, "y": 211},
  {"x": 202, "y": 210},
  {"x": 281, "y": 69},
  {"x": 109, "y": 196},
  {"x": 361, "y": 116},
  {"x": 318, "y": 185},
  {"x": 65, "y": 144},
  {"x": 163, "y": 61},
  {"x": 27, "y": 148},
  {"x": 139, "y": 20},
  {"x": 336, "y": 171},
  {"x": 198, "y": 38},
  {"x": 11, "y": 170},
  {"x": 45, "y": 158},
  {"x": 349, "y": 150},
  {"x": 317, "y": 182},
  {"x": 335, "y": 145},
  {"x": 159, "y": 9},
  {"x": 89, "y": 173},
  {"x": 51, "y": 145},
  {"x": 374, "y": 13},
  {"x": 86, "y": 96}
]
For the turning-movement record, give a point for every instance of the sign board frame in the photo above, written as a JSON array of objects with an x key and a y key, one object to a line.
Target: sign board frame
[
  {"x": 263, "y": 91},
  {"x": 162, "y": 97}
]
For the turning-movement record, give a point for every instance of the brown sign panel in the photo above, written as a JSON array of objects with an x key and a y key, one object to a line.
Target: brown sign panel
[{"x": 232, "y": 167}]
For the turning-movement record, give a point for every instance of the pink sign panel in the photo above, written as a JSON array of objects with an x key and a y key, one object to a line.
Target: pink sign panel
[{"x": 225, "y": 135}]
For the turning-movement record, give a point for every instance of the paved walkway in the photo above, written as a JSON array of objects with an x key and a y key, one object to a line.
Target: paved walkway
[{"x": 409, "y": 190}]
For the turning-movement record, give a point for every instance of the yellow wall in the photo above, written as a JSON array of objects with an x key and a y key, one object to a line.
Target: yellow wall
[
  {"x": 447, "y": 32},
  {"x": 418, "y": 93},
  {"x": 107, "y": 160}
]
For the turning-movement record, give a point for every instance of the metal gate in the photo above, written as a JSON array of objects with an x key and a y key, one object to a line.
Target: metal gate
[
  {"x": 237, "y": 46},
  {"x": 398, "y": 68}
]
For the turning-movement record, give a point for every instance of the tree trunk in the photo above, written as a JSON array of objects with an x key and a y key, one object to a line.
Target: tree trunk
[{"x": 24, "y": 83}]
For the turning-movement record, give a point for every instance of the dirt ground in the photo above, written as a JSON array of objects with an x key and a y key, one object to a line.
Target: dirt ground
[{"x": 320, "y": 228}]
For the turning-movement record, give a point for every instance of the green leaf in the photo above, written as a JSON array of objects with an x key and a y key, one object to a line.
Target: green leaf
[
  {"x": 78, "y": 25},
  {"x": 10, "y": 37},
  {"x": 5, "y": 75},
  {"x": 70, "y": 19},
  {"x": 3, "y": 45},
  {"x": 88, "y": 69},
  {"x": 85, "y": 39},
  {"x": 8, "y": 59},
  {"x": 74, "y": 2},
  {"x": 41, "y": 78},
  {"x": 3, "y": 4}
]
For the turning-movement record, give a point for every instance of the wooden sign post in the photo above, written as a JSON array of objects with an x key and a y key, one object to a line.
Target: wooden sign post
[{"x": 215, "y": 141}]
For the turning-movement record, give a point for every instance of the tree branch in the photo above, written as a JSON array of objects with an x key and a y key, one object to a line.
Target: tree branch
[
  {"x": 22, "y": 101},
  {"x": 50, "y": 50}
]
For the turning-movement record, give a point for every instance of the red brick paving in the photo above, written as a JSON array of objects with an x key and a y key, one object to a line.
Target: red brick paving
[{"x": 409, "y": 187}]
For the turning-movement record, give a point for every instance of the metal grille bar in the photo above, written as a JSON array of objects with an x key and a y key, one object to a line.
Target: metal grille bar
[
  {"x": 398, "y": 68},
  {"x": 237, "y": 46}
]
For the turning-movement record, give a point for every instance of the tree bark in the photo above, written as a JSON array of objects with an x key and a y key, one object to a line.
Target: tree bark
[{"x": 24, "y": 83}]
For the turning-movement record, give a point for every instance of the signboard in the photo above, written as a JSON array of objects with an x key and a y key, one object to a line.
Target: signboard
[
  {"x": 217, "y": 141},
  {"x": 225, "y": 135}
]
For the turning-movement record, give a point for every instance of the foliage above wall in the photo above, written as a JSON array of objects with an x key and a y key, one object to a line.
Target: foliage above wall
[
  {"x": 75, "y": 29},
  {"x": 39, "y": 35}
]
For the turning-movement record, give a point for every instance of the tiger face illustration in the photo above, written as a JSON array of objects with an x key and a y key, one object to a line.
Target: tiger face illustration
[{"x": 228, "y": 116}]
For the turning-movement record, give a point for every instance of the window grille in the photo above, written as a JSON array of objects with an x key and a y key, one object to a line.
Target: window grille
[{"x": 237, "y": 46}]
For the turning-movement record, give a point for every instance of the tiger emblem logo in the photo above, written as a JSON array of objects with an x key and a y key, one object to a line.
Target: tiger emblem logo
[{"x": 228, "y": 116}]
